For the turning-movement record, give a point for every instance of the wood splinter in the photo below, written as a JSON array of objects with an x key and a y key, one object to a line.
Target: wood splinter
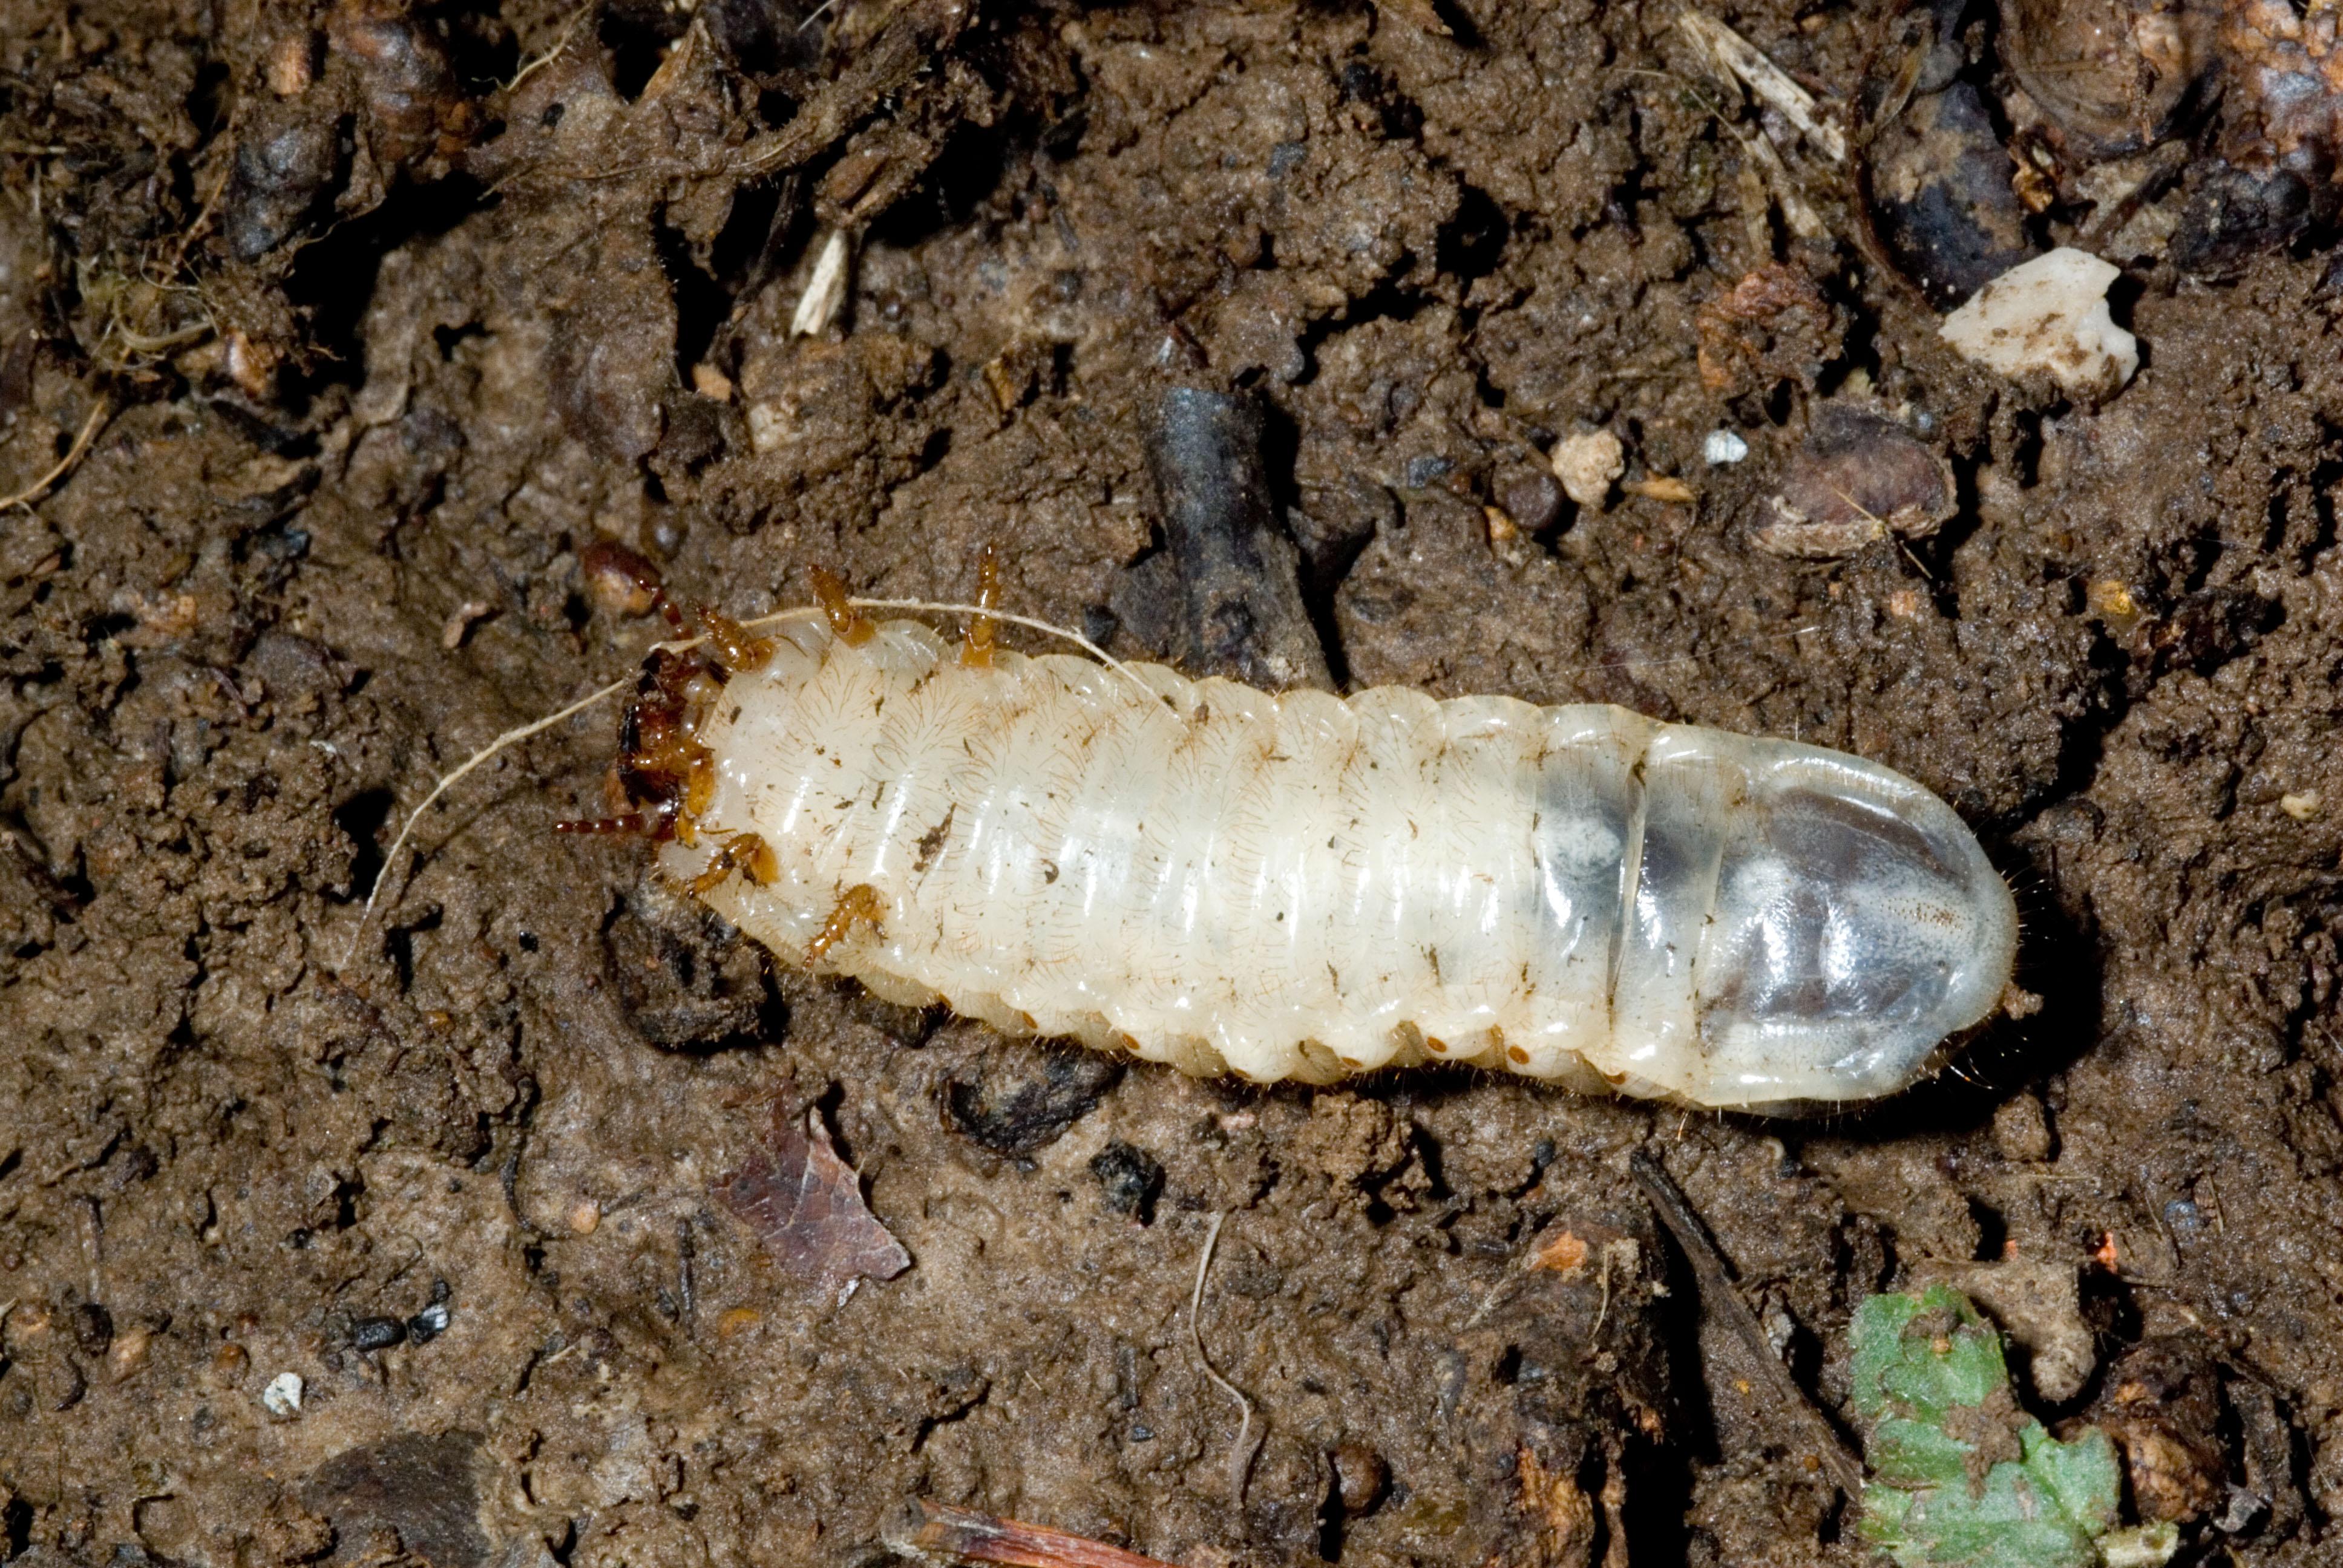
[{"x": 927, "y": 1528}]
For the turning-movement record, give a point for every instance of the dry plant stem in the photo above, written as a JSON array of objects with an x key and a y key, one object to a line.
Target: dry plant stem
[
  {"x": 824, "y": 293},
  {"x": 88, "y": 433},
  {"x": 560, "y": 44},
  {"x": 1241, "y": 1457},
  {"x": 940, "y": 1530},
  {"x": 1716, "y": 1286},
  {"x": 1766, "y": 79},
  {"x": 1796, "y": 211}
]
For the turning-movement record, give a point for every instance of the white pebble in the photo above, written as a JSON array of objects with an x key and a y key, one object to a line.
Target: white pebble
[
  {"x": 1723, "y": 449},
  {"x": 2302, "y": 808},
  {"x": 2048, "y": 314},
  {"x": 283, "y": 1394},
  {"x": 1586, "y": 464}
]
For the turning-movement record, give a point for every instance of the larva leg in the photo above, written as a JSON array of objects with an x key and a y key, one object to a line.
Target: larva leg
[
  {"x": 860, "y": 905},
  {"x": 976, "y": 651},
  {"x": 847, "y": 624},
  {"x": 736, "y": 649},
  {"x": 743, "y": 852}
]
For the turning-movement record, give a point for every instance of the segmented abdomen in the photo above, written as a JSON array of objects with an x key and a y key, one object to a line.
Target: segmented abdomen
[{"x": 1304, "y": 886}]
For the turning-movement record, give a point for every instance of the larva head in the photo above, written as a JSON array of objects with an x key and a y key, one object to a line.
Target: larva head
[
  {"x": 1858, "y": 926},
  {"x": 663, "y": 770}
]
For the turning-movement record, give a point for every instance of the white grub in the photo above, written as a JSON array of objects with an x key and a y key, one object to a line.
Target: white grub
[
  {"x": 1587, "y": 463},
  {"x": 825, "y": 293},
  {"x": 2049, "y": 315},
  {"x": 1723, "y": 449},
  {"x": 1303, "y": 886},
  {"x": 1742, "y": 59},
  {"x": 282, "y": 1397}
]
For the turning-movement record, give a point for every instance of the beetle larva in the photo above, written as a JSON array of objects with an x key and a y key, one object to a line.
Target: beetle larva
[{"x": 1304, "y": 886}]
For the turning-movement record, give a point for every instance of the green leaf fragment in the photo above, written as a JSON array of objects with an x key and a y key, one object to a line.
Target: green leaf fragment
[{"x": 1962, "y": 1477}]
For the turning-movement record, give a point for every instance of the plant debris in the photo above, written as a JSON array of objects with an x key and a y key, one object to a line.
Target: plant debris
[
  {"x": 1859, "y": 476},
  {"x": 805, "y": 1206},
  {"x": 1960, "y": 1476}
]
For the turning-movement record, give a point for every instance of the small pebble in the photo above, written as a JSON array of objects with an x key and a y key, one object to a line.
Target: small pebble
[
  {"x": 377, "y": 1334},
  {"x": 283, "y": 1394},
  {"x": 621, "y": 582},
  {"x": 1128, "y": 1178},
  {"x": 93, "y": 1327},
  {"x": 1587, "y": 463},
  {"x": 427, "y": 1324},
  {"x": 1360, "y": 1477},
  {"x": 1665, "y": 487},
  {"x": 460, "y": 625},
  {"x": 2048, "y": 314},
  {"x": 1722, "y": 448},
  {"x": 2021, "y": 1129},
  {"x": 1530, "y": 497},
  {"x": 585, "y": 1216},
  {"x": 1422, "y": 472},
  {"x": 2302, "y": 808},
  {"x": 128, "y": 1356},
  {"x": 289, "y": 68}
]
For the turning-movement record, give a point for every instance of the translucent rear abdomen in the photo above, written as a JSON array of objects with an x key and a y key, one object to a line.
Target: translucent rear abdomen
[{"x": 1305, "y": 886}]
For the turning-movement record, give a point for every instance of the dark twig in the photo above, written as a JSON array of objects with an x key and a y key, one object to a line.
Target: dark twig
[
  {"x": 1244, "y": 615},
  {"x": 1717, "y": 1289}
]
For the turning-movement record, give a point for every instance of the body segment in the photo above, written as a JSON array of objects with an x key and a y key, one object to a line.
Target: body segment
[{"x": 1305, "y": 886}]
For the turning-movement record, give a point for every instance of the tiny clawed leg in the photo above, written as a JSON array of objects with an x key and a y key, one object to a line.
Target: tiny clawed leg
[
  {"x": 860, "y": 905},
  {"x": 976, "y": 651},
  {"x": 847, "y": 624},
  {"x": 737, "y": 648},
  {"x": 746, "y": 853}
]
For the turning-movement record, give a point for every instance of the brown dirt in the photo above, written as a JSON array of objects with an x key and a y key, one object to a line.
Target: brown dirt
[{"x": 377, "y": 389}]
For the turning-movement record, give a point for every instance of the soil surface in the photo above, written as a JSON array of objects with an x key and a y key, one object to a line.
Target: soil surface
[{"x": 416, "y": 1238}]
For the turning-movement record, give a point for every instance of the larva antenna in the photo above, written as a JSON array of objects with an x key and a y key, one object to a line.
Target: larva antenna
[
  {"x": 683, "y": 645},
  {"x": 502, "y": 742},
  {"x": 989, "y": 612}
]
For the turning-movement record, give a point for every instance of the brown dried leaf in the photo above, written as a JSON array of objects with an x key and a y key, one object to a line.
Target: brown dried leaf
[
  {"x": 1858, "y": 478},
  {"x": 1566, "y": 1255},
  {"x": 805, "y": 1206}
]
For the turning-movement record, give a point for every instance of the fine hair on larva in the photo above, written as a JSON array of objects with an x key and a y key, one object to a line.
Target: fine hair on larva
[{"x": 1304, "y": 886}]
